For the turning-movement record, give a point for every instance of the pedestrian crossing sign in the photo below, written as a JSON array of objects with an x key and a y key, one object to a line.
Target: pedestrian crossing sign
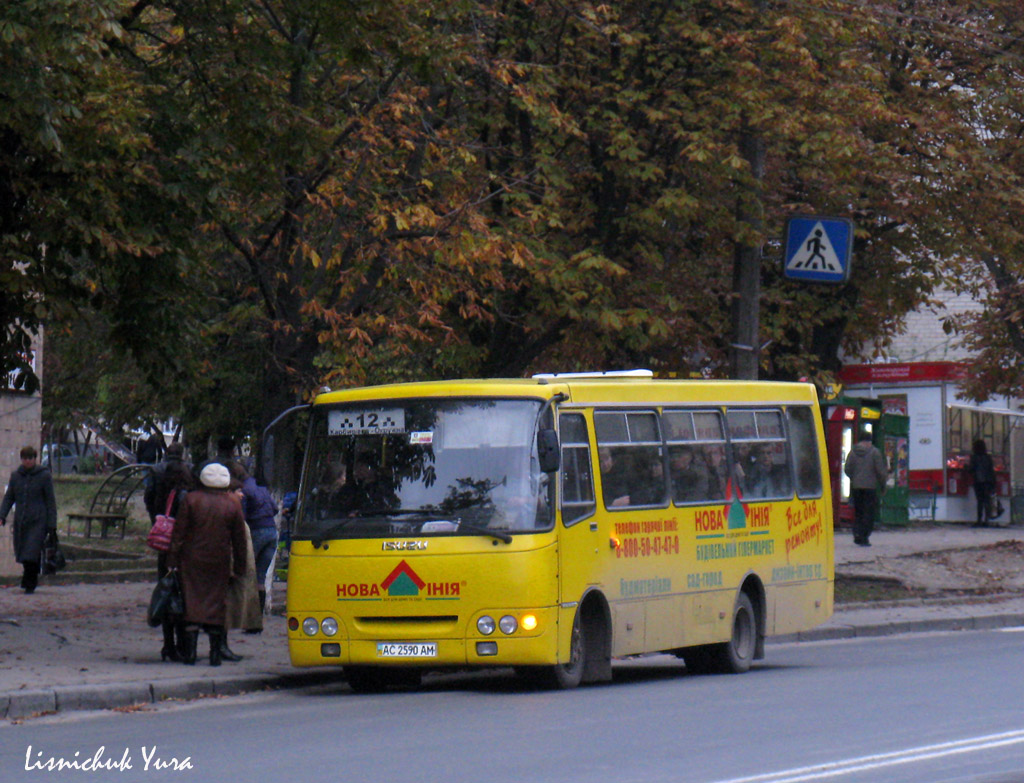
[{"x": 818, "y": 249}]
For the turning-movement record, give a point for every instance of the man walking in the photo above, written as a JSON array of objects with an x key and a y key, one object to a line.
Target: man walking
[
  {"x": 868, "y": 472},
  {"x": 30, "y": 492}
]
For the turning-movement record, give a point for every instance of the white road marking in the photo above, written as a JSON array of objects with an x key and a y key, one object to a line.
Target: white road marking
[{"x": 882, "y": 760}]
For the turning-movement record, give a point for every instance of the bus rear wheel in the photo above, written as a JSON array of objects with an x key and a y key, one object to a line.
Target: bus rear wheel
[{"x": 736, "y": 655}]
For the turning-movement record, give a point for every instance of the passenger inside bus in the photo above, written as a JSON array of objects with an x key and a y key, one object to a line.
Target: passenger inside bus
[
  {"x": 690, "y": 476},
  {"x": 525, "y": 508},
  {"x": 718, "y": 470},
  {"x": 765, "y": 479},
  {"x": 647, "y": 478},
  {"x": 366, "y": 490},
  {"x": 614, "y": 482}
]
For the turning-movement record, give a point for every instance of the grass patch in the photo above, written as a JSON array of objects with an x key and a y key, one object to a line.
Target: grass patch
[
  {"x": 74, "y": 496},
  {"x": 854, "y": 590}
]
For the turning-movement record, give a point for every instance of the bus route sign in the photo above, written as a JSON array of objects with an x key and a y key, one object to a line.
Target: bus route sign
[{"x": 818, "y": 249}]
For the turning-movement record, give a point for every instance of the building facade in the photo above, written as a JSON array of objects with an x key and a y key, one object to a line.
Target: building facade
[{"x": 919, "y": 376}]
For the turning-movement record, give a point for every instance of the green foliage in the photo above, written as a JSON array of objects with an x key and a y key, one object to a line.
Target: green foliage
[{"x": 251, "y": 200}]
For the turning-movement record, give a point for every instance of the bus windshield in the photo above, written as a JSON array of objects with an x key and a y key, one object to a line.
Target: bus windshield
[{"x": 424, "y": 467}]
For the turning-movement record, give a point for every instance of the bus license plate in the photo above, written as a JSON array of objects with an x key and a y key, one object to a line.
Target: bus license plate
[{"x": 406, "y": 649}]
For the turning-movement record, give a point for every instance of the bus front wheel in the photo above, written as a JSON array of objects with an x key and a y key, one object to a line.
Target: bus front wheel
[{"x": 563, "y": 676}]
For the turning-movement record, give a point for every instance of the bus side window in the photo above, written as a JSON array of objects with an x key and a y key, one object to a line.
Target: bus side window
[
  {"x": 805, "y": 452},
  {"x": 577, "y": 479},
  {"x": 631, "y": 459},
  {"x": 696, "y": 455},
  {"x": 760, "y": 454}
]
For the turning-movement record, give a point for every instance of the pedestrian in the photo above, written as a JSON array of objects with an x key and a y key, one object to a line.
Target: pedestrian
[
  {"x": 150, "y": 450},
  {"x": 208, "y": 547},
  {"x": 30, "y": 492},
  {"x": 260, "y": 515},
  {"x": 868, "y": 473},
  {"x": 172, "y": 475},
  {"x": 983, "y": 475}
]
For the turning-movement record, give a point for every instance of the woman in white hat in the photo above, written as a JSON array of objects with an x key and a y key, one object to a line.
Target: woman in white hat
[{"x": 209, "y": 541}]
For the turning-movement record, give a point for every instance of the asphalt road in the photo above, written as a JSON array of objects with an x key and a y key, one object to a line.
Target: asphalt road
[{"x": 923, "y": 707}]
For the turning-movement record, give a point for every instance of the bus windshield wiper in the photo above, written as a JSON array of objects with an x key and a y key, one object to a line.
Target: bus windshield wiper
[
  {"x": 501, "y": 535},
  {"x": 336, "y": 527}
]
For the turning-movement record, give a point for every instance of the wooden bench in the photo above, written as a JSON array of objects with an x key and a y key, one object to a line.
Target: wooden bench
[{"x": 107, "y": 520}]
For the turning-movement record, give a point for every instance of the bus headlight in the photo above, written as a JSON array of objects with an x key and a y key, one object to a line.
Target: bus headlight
[
  {"x": 485, "y": 625},
  {"x": 508, "y": 624},
  {"x": 329, "y": 626},
  {"x": 529, "y": 622},
  {"x": 310, "y": 626}
]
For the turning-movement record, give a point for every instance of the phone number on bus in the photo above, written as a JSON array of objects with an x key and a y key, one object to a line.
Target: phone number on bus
[{"x": 648, "y": 546}]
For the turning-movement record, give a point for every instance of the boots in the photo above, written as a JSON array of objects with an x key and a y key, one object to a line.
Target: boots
[
  {"x": 170, "y": 649},
  {"x": 190, "y": 642},
  {"x": 217, "y": 635},
  {"x": 225, "y": 651}
]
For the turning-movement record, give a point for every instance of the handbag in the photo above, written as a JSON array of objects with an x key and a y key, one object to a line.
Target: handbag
[
  {"x": 53, "y": 558},
  {"x": 159, "y": 537},
  {"x": 168, "y": 602}
]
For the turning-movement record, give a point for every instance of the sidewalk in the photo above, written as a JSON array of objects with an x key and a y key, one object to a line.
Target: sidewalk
[{"x": 87, "y": 646}]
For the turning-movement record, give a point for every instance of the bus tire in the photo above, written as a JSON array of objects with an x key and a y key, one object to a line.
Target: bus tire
[
  {"x": 698, "y": 660},
  {"x": 736, "y": 655},
  {"x": 563, "y": 676}
]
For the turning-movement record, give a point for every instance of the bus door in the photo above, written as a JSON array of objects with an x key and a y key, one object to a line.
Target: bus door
[{"x": 582, "y": 542}]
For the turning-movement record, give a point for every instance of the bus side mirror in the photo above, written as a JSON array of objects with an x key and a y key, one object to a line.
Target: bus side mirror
[{"x": 548, "y": 452}]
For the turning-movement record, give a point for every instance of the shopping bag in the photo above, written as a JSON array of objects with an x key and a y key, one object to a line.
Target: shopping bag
[
  {"x": 53, "y": 557},
  {"x": 168, "y": 602}
]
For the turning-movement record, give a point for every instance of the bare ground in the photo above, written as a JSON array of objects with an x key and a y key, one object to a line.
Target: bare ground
[{"x": 989, "y": 570}]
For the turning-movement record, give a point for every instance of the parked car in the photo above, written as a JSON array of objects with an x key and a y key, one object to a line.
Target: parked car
[{"x": 62, "y": 458}]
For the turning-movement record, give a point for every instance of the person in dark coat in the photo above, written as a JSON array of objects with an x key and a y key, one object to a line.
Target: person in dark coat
[
  {"x": 30, "y": 492},
  {"x": 868, "y": 474},
  {"x": 171, "y": 476},
  {"x": 150, "y": 450},
  {"x": 208, "y": 546},
  {"x": 983, "y": 475}
]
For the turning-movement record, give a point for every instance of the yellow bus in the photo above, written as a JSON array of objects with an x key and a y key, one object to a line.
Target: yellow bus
[{"x": 556, "y": 523}]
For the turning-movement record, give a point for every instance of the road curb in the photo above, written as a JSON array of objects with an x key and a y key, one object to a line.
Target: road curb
[
  {"x": 19, "y": 705},
  {"x": 839, "y": 631}
]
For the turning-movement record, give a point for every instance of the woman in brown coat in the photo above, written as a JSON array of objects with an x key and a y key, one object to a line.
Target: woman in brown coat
[{"x": 207, "y": 544}]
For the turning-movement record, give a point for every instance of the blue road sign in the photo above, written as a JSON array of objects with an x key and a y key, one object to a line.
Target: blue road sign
[{"x": 818, "y": 249}]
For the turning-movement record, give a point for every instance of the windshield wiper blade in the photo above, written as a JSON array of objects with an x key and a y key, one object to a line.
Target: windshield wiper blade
[
  {"x": 336, "y": 527},
  {"x": 501, "y": 535}
]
